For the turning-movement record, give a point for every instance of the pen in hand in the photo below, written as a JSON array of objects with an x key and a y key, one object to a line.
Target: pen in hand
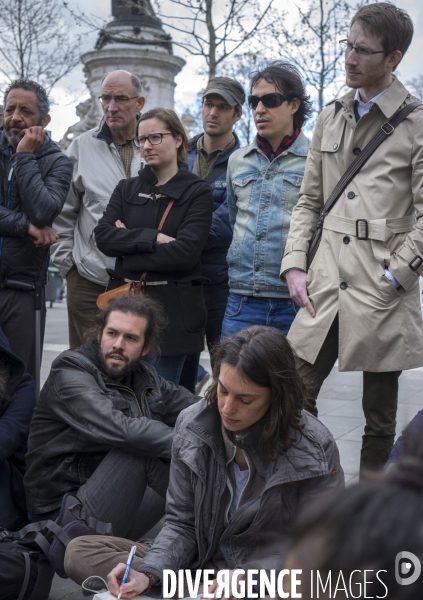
[{"x": 128, "y": 568}]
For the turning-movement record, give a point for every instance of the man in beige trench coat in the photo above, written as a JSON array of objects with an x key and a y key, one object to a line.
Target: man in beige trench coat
[{"x": 360, "y": 297}]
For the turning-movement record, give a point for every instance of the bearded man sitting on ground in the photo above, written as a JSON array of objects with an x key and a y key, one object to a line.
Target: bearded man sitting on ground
[{"x": 103, "y": 426}]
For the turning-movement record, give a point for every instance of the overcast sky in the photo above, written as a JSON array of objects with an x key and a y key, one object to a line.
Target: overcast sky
[{"x": 72, "y": 90}]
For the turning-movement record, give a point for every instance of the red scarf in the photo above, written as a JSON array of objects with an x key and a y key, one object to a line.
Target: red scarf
[{"x": 266, "y": 148}]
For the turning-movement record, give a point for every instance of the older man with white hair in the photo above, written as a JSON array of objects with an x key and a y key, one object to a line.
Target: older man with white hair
[{"x": 101, "y": 157}]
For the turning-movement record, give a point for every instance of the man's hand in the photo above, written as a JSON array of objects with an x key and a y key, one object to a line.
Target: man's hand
[
  {"x": 211, "y": 590},
  {"x": 136, "y": 584},
  {"x": 32, "y": 139},
  {"x": 120, "y": 224},
  {"x": 162, "y": 238},
  {"x": 296, "y": 281},
  {"x": 44, "y": 237}
]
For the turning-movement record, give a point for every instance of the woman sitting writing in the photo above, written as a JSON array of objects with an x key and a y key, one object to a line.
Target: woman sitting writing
[
  {"x": 168, "y": 259},
  {"x": 245, "y": 461}
]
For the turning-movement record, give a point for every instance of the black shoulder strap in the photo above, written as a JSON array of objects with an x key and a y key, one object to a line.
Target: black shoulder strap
[
  {"x": 385, "y": 131},
  {"x": 26, "y": 576},
  {"x": 216, "y": 172}
]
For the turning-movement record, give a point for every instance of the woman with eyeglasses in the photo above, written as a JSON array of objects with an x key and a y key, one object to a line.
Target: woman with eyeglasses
[{"x": 168, "y": 260}]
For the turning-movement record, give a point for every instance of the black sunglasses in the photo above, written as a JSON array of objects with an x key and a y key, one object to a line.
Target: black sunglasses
[{"x": 268, "y": 100}]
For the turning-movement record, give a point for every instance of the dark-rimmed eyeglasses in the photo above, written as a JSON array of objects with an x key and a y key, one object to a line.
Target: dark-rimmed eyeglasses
[
  {"x": 105, "y": 99},
  {"x": 272, "y": 100},
  {"x": 154, "y": 139},
  {"x": 347, "y": 47}
]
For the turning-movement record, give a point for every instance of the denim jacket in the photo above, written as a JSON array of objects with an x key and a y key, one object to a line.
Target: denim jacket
[{"x": 261, "y": 198}]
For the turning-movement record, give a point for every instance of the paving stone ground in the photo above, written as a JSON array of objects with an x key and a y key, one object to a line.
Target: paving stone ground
[{"x": 339, "y": 406}]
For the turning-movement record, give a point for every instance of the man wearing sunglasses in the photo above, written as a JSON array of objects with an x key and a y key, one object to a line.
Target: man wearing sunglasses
[
  {"x": 360, "y": 296},
  {"x": 101, "y": 157},
  {"x": 263, "y": 183}
]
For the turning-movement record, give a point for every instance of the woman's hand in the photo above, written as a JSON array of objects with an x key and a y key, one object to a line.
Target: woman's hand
[
  {"x": 162, "y": 238},
  {"x": 136, "y": 584},
  {"x": 120, "y": 224},
  {"x": 212, "y": 589}
]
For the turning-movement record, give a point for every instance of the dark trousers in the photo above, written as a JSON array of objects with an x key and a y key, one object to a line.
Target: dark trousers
[
  {"x": 81, "y": 299},
  {"x": 380, "y": 399},
  {"x": 12, "y": 516},
  {"x": 17, "y": 320},
  {"x": 125, "y": 490},
  {"x": 215, "y": 297}
]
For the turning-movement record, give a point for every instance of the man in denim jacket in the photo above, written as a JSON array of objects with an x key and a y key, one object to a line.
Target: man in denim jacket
[{"x": 263, "y": 184}]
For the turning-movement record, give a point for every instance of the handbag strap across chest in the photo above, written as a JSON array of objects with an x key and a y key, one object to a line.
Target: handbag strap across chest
[{"x": 162, "y": 222}]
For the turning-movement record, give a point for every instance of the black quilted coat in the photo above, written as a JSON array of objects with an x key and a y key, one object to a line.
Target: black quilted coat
[{"x": 33, "y": 188}]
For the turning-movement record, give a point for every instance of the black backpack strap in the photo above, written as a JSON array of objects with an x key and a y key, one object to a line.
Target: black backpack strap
[
  {"x": 26, "y": 576},
  {"x": 37, "y": 528},
  {"x": 216, "y": 172}
]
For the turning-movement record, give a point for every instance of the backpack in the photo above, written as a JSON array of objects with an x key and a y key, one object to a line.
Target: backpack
[
  {"x": 26, "y": 573},
  {"x": 30, "y": 557}
]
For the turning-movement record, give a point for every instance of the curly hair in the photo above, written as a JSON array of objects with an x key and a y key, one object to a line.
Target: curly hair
[
  {"x": 264, "y": 356},
  {"x": 31, "y": 86},
  {"x": 140, "y": 306}
]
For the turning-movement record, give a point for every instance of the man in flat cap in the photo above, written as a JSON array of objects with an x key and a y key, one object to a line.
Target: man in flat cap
[{"x": 208, "y": 158}]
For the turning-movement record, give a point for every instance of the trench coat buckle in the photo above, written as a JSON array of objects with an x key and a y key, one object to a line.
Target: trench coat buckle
[
  {"x": 366, "y": 229},
  {"x": 387, "y": 128},
  {"x": 414, "y": 267}
]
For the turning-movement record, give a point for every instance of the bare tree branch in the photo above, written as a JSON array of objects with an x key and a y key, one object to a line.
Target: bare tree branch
[
  {"x": 312, "y": 43},
  {"x": 210, "y": 30},
  {"x": 35, "y": 42}
]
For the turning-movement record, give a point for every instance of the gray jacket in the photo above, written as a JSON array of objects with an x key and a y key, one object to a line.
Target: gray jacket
[
  {"x": 97, "y": 169},
  {"x": 82, "y": 414},
  {"x": 255, "y": 536}
]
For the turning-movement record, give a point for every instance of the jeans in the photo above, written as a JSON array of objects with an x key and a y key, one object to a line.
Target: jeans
[
  {"x": 125, "y": 490},
  {"x": 215, "y": 297},
  {"x": 380, "y": 399},
  {"x": 242, "y": 311},
  {"x": 168, "y": 367},
  {"x": 11, "y": 517}
]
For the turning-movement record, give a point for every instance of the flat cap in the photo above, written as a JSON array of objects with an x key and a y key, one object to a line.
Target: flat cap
[{"x": 230, "y": 89}]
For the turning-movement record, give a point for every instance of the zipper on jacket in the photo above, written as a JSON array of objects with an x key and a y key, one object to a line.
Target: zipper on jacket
[
  {"x": 9, "y": 195},
  {"x": 123, "y": 387},
  {"x": 229, "y": 484},
  {"x": 212, "y": 527}
]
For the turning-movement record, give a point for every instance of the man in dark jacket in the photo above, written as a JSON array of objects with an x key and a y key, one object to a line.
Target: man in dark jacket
[
  {"x": 208, "y": 158},
  {"x": 17, "y": 402},
  {"x": 34, "y": 181},
  {"x": 103, "y": 426}
]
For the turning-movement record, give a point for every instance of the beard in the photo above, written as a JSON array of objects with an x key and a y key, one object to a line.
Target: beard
[
  {"x": 116, "y": 371},
  {"x": 12, "y": 138}
]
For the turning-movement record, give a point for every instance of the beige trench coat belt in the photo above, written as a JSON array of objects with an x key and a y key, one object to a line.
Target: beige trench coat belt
[{"x": 380, "y": 230}]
